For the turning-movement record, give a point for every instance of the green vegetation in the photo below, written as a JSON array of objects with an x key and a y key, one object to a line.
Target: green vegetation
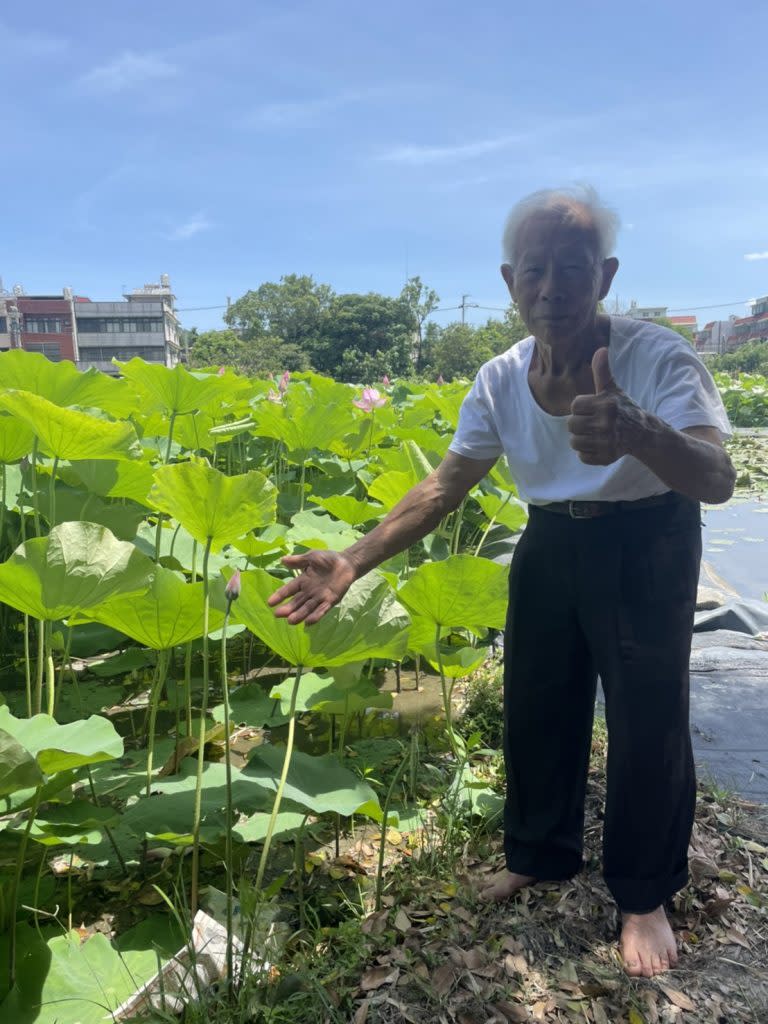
[{"x": 297, "y": 324}]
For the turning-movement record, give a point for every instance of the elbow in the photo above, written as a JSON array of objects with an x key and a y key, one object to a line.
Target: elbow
[{"x": 721, "y": 486}]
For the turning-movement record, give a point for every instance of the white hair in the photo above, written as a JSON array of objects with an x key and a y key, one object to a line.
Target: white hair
[{"x": 562, "y": 200}]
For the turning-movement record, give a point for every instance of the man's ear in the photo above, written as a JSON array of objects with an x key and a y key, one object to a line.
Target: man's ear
[
  {"x": 610, "y": 266},
  {"x": 509, "y": 277}
]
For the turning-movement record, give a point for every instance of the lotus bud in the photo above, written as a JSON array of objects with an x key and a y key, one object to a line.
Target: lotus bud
[
  {"x": 232, "y": 589},
  {"x": 385, "y": 381},
  {"x": 440, "y": 379}
]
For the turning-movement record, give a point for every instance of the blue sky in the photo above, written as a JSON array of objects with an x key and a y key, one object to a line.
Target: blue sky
[{"x": 229, "y": 143}]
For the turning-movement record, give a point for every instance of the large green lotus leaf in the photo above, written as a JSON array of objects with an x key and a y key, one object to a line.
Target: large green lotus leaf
[
  {"x": 254, "y": 829},
  {"x": 427, "y": 438},
  {"x": 502, "y": 477},
  {"x": 172, "y": 391},
  {"x": 454, "y": 661},
  {"x": 251, "y": 705},
  {"x": 459, "y": 591},
  {"x": 59, "y": 747},
  {"x": 405, "y": 458},
  {"x": 70, "y": 824},
  {"x": 68, "y": 981},
  {"x": 168, "y": 614},
  {"x": 322, "y": 693},
  {"x": 311, "y": 529},
  {"x": 447, "y": 399},
  {"x": 318, "y": 784},
  {"x": 211, "y": 505},
  {"x": 509, "y": 511},
  {"x": 169, "y": 813},
  {"x": 191, "y": 432},
  {"x": 77, "y": 566},
  {"x": 18, "y": 768},
  {"x": 368, "y": 623},
  {"x": 63, "y": 385},
  {"x": 348, "y": 509},
  {"x": 16, "y": 438},
  {"x": 304, "y": 421},
  {"x": 417, "y": 413},
  {"x": 76, "y": 504},
  {"x": 257, "y": 547},
  {"x": 391, "y": 487},
  {"x": 69, "y": 434},
  {"x": 111, "y": 478}
]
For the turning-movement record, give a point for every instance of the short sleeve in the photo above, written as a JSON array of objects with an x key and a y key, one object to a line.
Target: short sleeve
[
  {"x": 686, "y": 395},
  {"x": 476, "y": 436}
]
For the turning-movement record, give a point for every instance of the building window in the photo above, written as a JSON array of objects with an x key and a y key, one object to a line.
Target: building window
[
  {"x": 120, "y": 325},
  {"x": 45, "y": 325},
  {"x": 3, "y": 325},
  {"x": 50, "y": 350},
  {"x": 104, "y": 354}
]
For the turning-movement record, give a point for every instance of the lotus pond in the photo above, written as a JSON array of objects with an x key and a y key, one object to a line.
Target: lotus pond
[{"x": 166, "y": 743}]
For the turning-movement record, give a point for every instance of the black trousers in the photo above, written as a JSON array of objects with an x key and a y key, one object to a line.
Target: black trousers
[{"x": 613, "y": 596}]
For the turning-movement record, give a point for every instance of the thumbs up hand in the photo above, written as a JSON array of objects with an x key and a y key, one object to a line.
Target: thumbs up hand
[{"x": 607, "y": 425}]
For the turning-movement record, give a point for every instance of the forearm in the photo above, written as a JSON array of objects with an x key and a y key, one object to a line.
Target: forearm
[
  {"x": 416, "y": 515},
  {"x": 692, "y": 466}
]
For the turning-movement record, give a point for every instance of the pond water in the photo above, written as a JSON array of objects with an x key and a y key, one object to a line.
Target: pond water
[{"x": 736, "y": 544}]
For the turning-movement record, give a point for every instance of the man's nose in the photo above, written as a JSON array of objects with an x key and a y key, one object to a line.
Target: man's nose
[{"x": 552, "y": 284}]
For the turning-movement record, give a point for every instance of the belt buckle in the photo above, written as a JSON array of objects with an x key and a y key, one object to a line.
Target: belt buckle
[{"x": 582, "y": 509}]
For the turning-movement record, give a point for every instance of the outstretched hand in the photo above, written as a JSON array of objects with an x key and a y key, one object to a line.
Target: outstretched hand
[
  {"x": 607, "y": 425},
  {"x": 325, "y": 578}
]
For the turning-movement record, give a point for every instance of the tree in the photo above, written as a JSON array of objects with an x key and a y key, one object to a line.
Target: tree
[
  {"x": 459, "y": 350},
  {"x": 363, "y": 337},
  {"x": 214, "y": 348},
  {"x": 291, "y": 310},
  {"x": 749, "y": 358},
  {"x": 420, "y": 302}
]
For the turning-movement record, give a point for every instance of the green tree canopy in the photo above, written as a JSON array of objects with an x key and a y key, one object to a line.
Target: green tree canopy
[{"x": 291, "y": 310}]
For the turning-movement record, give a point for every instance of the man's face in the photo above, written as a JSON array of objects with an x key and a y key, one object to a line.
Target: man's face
[{"x": 558, "y": 278}]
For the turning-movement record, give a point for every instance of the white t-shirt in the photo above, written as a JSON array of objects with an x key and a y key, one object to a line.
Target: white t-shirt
[{"x": 652, "y": 364}]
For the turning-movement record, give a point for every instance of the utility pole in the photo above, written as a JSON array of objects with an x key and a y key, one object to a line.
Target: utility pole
[{"x": 466, "y": 305}]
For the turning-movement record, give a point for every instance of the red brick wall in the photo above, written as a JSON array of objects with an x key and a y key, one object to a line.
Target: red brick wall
[{"x": 59, "y": 308}]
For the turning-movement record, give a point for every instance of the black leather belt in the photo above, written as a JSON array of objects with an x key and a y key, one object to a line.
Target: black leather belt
[{"x": 593, "y": 509}]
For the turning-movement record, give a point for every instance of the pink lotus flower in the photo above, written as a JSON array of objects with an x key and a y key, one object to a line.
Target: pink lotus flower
[
  {"x": 371, "y": 399},
  {"x": 283, "y": 385},
  {"x": 222, "y": 371},
  {"x": 232, "y": 589},
  {"x": 275, "y": 396},
  {"x": 440, "y": 379},
  {"x": 385, "y": 381}
]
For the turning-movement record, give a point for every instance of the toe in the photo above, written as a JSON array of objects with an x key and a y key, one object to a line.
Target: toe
[
  {"x": 648, "y": 971},
  {"x": 633, "y": 967}
]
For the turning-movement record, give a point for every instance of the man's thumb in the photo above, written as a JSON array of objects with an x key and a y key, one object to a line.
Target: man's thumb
[{"x": 601, "y": 371}]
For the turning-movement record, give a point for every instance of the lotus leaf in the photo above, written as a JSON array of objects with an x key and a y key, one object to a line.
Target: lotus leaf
[
  {"x": 211, "y": 505},
  {"x": 77, "y": 566},
  {"x": 459, "y": 591},
  {"x": 57, "y": 748}
]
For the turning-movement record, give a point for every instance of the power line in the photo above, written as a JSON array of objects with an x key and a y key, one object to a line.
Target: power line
[{"x": 717, "y": 305}]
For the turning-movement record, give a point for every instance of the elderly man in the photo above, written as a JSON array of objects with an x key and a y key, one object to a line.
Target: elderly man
[{"x": 613, "y": 432}]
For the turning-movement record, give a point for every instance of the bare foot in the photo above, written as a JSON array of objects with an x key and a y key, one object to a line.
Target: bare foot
[
  {"x": 648, "y": 945},
  {"x": 503, "y": 884}
]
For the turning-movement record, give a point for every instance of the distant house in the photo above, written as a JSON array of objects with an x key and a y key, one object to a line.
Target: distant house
[
  {"x": 713, "y": 337},
  {"x": 646, "y": 312},
  {"x": 750, "y": 328}
]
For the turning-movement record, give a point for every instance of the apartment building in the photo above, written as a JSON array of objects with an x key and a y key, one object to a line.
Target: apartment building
[{"x": 67, "y": 326}]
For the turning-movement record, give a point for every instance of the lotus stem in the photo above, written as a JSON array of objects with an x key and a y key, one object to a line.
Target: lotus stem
[
  {"x": 64, "y": 662},
  {"x": 27, "y": 667},
  {"x": 35, "y": 510},
  {"x": 52, "y": 492},
  {"x": 228, "y": 809},
  {"x": 385, "y": 815},
  {"x": 201, "y": 749},
  {"x": 283, "y": 776},
  {"x": 21, "y": 856},
  {"x": 40, "y": 666},
  {"x": 301, "y": 485},
  {"x": 161, "y": 671},
  {"x": 446, "y": 692},
  {"x": 2, "y": 500},
  {"x": 50, "y": 676}
]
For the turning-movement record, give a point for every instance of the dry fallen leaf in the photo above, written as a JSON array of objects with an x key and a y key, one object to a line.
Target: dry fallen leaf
[
  {"x": 402, "y": 921},
  {"x": 375, "y": 923},
  {"x": 442, "y": 980},
  {"x": 677, "y": 997},
  {"x": 375, "y": 977},
  {"x": 361, "y": 1013},
  {"x": 513, "y": 1012}
]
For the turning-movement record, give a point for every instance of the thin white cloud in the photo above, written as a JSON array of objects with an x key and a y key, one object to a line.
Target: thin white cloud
[
  {"x": 19, "y": 43},
  {"x": 756, "y": 255},
  {"x": 189, "y": 228},
  {"x": 275, "y": 115},
  {"x": 418, "y": 155},
  {"x": 128, "y": 71}
]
